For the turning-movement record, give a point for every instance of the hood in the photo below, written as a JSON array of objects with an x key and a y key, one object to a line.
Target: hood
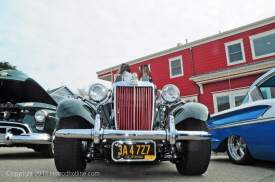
[{"x": 17, "y": 87}]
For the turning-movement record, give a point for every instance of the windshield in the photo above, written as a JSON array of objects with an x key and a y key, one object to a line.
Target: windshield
[
  {"x": 36, "y": 104},
  {"x": 57, "y": 99},
  {"x": 268, "y": 88},
  {"x": 246, "y": 99}
]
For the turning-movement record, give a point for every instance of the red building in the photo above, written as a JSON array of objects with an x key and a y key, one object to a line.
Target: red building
[{"x": 215, "y": 70}]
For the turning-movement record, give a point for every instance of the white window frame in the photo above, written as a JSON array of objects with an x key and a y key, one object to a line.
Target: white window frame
[
  {"x": 259, "y": 36},
  {"x": 194, "y": 98},
  {"x": 170, "y": 67},
  {"x": 114, "y": 77},
  {"x": 148, "y": 66},
  {"x": 239, "y": 41},
  {"x": 231, "y": 95}
]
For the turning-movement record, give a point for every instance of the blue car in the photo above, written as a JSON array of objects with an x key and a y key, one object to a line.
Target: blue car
[{"x": 246, "y": 132}]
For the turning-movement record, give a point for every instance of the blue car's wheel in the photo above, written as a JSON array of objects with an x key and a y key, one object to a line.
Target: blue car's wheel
[{"x": 238, "y": 151}]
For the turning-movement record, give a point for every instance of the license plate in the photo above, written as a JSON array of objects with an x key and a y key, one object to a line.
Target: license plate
[{"x": 134, "y": 151}]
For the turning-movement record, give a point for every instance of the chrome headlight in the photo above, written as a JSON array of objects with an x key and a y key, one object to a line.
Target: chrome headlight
[
  {"x": 170, "y": 93},
  {"x": 98, "y": 92},
  {"x": 40, "y": 116}
]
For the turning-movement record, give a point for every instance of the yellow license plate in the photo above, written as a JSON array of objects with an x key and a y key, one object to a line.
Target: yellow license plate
[{"x": 134, "y": 151}]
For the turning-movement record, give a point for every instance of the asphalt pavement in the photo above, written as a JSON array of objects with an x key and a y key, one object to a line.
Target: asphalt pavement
[{"x": 22, "y": 164}]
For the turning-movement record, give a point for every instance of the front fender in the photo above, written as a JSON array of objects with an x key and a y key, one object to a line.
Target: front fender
[
  {"x": 76, "y": 107},
  {"x": 191, "y": 110}
]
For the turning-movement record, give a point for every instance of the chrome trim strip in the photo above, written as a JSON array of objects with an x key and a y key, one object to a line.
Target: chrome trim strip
[
  {"x": 245, "y": 123},
  {"x": 75, "y": 133},
  {"x": 12, "y": 127},
  {"x": 171, "y": 131},
  {"x": 97, "y": 134},
  {"x": 9, "y": 139},
  {"x": 132, "y": 134},
  {"x": 32, "y": 138},
  {"x": 97, "y": 131},
  {"x": 27, "y": 126}
]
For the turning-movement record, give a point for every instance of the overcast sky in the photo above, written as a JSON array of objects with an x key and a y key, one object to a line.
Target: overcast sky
[{"x": 65, "y": 42}]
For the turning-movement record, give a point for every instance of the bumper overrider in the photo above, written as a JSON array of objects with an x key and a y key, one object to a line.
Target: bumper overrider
[
  {"x": 26, "y": 136},
  {"x": 170, "y": 135}
]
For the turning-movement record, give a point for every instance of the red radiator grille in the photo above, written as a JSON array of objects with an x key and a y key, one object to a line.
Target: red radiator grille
[{"x": 134, "y": 108}]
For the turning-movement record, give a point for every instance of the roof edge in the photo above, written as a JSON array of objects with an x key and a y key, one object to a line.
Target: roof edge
[{"x": 196, "y": 43}]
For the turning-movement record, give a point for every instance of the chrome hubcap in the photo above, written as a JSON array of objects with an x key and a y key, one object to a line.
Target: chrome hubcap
[{"x": 236, "y": 147}]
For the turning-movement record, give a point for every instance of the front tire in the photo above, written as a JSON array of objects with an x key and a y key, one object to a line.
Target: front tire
[
  {"x": 68, "y": 155},
  {"x": 196, "y": 153},
  {"x": 47, "y": 150},
  {"x": 238, "y": 152}
]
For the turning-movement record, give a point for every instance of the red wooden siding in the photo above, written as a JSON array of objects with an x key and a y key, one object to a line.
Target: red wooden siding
[
  {"x": 211, "y": 56},
  {"x": 207, "y": 57}
]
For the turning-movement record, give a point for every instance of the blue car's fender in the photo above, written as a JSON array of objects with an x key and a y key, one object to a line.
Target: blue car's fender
[
  {"x": 191, "y": 110},
  {"x": 76, "y": 107}
]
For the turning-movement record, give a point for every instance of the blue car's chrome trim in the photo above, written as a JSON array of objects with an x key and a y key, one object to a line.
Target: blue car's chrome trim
[
  {"x": 244, "y": 123},
  {"x": 237, "y": 116}
]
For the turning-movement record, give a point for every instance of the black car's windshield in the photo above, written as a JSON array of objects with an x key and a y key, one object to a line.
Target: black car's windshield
[{"x": 37, "y": 105}]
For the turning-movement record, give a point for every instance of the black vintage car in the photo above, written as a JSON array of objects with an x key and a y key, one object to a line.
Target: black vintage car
[{"x": 132, "y": 122}]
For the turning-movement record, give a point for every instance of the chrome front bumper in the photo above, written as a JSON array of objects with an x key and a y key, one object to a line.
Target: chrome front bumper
[
  {"x": 26, "y": 137},
  {"x": 97, "y": 134}
]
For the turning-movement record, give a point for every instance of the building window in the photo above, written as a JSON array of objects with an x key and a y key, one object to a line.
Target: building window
[
  {"x": 175, "y": 65},
  {"x": 228, "y": 99},
  {"x": 223, "y": 103},
  {"x": 190, "y": 98},
  {"x": 263, "y": 44},
  {"x": 235, "y": 52},
  {"x": 65, "y": 95}
]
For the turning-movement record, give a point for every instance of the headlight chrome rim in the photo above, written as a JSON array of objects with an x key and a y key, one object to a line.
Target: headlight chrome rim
[
  {"x": 170, "y": 93},
  {"x": 97, "y": 92},
  {"x": 40, "y": 116}
]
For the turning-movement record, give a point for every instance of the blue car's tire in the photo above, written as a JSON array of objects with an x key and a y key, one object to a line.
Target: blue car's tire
[
  {"x": 238, "y": 152},
  {"x": 196, "y": 153}
]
